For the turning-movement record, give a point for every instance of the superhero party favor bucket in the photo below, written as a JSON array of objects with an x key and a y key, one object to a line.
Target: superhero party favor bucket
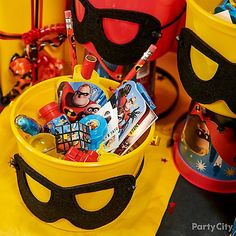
[
  {"x": 74, "y": 196},
  {"x": 206, "y": 57},
  {"x": 205, "y": 154}
]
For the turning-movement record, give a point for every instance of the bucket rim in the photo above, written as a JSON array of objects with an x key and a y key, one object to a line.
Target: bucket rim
[
  {"x": 211, "y": 16},
  {"x": 54, "y": 160}
]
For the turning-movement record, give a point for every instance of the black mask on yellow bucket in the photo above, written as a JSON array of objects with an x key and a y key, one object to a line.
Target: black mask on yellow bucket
[
  {"x": 63, "y": 204},
  {"x": 222, "y": 86},
  {"x": 91, "y": 30}
]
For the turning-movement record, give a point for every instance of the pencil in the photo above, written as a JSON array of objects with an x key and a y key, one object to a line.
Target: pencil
[
  {"x": 70, "y": 38},
  {"x": 152, "y": 48}
]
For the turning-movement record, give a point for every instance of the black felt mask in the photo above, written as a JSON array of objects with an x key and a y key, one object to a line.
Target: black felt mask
[
  {"x": 91, "y": 30},
  {"x": 63, "y": 204},
  {"x": 222, "y": 86}
]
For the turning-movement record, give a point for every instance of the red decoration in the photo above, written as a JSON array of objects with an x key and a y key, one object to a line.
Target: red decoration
[
  {"x": 20, "y": 65},
  {"x": 171, "y": 207},
  {"x": 164, "y": 160},
  {"x": 48, "y": 67}
]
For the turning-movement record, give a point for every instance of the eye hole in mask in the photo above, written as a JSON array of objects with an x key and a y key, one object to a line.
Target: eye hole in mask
[
  {"x": 80, "y": 11},
  {"x": 40, "y": 192},
  {"x": 127, "y": 30},
  {"x": 97, "y": 200},
  {"x": 222, "y": 84},
  {"x": 200, "y": 61}
]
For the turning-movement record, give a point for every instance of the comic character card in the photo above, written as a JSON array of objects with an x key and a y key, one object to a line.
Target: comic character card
[
  {"x": 79, "y": 99},
  {"x": 130, "y": 107},
  {"x": 111, "y": 140},
  {"x": 138, "y": 130},
  {"x": 75, "y": 134}
]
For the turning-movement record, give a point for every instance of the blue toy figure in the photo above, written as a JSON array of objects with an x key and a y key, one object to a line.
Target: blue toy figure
[{"x": 28, "y": 125}]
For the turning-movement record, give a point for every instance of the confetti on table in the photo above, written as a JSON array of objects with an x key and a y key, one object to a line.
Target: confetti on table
[
  {"x": 171, "y": 207},
  {"x": 164, "y": 160}
]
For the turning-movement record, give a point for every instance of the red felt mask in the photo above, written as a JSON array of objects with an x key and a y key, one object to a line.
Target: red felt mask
[{"x": 120, "y": 31}]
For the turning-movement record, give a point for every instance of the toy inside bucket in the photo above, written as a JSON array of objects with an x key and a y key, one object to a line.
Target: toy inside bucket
[
  {"x": 93, "y": 190},
  {"x": 210, "y": 41}
]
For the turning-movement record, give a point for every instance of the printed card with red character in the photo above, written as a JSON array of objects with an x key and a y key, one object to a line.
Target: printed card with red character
[
  {"x": 79, "y": 99},
  {"x": 137, "y": 131},
  {"x": 130, "y": 105}
]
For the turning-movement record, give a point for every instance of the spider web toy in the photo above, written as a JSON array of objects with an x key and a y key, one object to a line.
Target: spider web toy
[{"x": 75, "y": 134}]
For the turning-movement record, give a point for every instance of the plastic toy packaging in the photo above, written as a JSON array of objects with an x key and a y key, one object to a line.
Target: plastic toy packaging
[
  {"x": 72, "y": 135},
  {"x": 227, "y": 11},
  {"x": 98, "y": 129}
]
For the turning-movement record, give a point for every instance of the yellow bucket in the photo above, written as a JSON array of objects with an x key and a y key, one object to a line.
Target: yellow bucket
[
  {"x": 218, "y": 34},
  {"x": 65, "y": 173}
]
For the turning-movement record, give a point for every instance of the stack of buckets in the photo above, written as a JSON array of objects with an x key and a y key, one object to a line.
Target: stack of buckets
[
  {"x": 68, "y": 174},
  {"x": 200, "y": 152}
]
